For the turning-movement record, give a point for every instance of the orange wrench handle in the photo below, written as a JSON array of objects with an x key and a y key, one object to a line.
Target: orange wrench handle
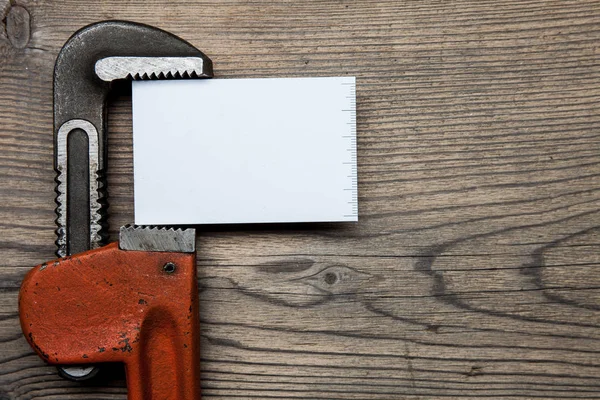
[
  {"x": 168, "y": 366},
  {"x": 109, "y": 305}
]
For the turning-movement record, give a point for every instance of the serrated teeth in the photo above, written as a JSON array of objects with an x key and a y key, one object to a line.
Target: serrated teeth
[
  {"x": 97, "y": 200},
  {"x": 150, "y": 68},
  {"x": 154, "y": 75},
  {"x": 155, "y": 238},
  {"x": 133, "y": 227}
]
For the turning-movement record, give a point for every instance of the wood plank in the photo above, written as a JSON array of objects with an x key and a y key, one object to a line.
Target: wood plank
[{"x": 473, "y": 271}]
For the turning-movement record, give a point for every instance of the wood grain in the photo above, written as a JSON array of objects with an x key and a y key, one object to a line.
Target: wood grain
[{"x": 474, "y": 269}]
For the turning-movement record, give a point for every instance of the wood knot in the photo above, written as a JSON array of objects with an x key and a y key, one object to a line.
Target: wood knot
[
  {"x": 337, "y": 279},
  {"x": 18, "y": 26},
  {"x": 330, "y": 278}
]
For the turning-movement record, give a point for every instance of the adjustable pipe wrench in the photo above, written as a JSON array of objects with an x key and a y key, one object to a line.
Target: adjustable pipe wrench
[{"x": 135, "y": 301}]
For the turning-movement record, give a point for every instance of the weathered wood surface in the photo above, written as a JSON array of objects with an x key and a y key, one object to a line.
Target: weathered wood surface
[{"x": 474, "y": 269}]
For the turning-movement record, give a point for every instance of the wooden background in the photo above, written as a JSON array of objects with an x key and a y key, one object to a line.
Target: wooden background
[{"x": 475, "y": 268}]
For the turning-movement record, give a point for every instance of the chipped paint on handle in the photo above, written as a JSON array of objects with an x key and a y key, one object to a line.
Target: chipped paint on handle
[{"x": 110, "y": 305}]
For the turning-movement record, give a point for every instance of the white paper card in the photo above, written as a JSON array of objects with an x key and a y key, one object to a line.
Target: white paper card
[{"x": 213, "y": 151}]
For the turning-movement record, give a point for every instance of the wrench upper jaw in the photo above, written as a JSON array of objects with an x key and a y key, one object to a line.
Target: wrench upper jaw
[
  {"x": 150, "y": 68},
  {"x": 78, "y": 90}
]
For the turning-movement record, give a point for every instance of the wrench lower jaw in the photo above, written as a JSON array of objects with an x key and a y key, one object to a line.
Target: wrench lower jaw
[{"x": 109, "y": 305}]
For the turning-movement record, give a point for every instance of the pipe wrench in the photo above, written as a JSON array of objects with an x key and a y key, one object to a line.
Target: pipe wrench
[{"x": 134, "y": 301}]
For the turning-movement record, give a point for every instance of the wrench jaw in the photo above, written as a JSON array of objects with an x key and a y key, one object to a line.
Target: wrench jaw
[
  {"x": 150, "y": 68},
  {"x": 89, "y": 62}
]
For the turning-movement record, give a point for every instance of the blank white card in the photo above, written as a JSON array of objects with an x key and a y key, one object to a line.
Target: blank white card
[{"x": 214, "y": 151}]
